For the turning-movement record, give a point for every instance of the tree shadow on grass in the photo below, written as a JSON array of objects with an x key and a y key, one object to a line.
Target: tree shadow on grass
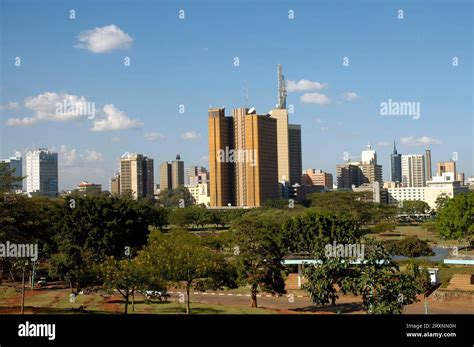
[
  {"x": 338, "y": 308},
  {"x": 194, "y": 310},
  {"x": 49, "y": 310}
]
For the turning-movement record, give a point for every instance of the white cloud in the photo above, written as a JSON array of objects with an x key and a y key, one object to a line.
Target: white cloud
[
  {"x": 114, "y": 119},
  {"x": 10, "y": 106},
  {"x": 384, "y": 143},
  {"x": 92, "y": 156},
  {"x": 104, "y": 39},
  {"x": 67, "y": 157},
  {"x": 54, "y": 107},
  {"x": 320, "y": 121},
  {"x": 72, "y": 158},
  {"x": 191, "y": 135},
  {"x": 303, "y": 85},
  {"x": 350, "y": 96},
  {"x": 154, "y": 136},
  {"x": 421, "y": 141},
  {"x": 315, "y": 98},
  {"x": 204, "y": 158},
  {"x": 324, "y": 129},
  {"x": 26, "y": 121}
]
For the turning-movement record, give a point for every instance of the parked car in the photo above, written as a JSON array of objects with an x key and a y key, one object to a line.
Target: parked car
[
  {"x": 42, "y": 282},
  {"x": 155, "y": 294}
]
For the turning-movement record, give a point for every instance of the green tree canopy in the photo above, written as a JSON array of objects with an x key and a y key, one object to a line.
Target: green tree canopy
[
  {"x": 182, "y": 258},
  {"x": 173, "y": 197},
  {"x": 415, "y": 207},
  {"x": 303, "y": 232},
  {"x": 258, "y": 253},
  {"x": 455, "y": 219},
  {"x": 89, "y": 229}
]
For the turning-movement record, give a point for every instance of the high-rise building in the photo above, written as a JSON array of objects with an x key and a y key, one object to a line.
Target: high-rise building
[
  {"x": 243, "y": 158},
  {"x": 413, "y": 170},
  {"x": 319, "y": 178},
  {"x": 460, "y": 177},
  {"x": 446, "y": 166},
  {"x": 354, "y": 174},
  {"x": 288, "y": 138},
  {"x": 294, "y": 145},
  {"x": 371, "y": 173},
  {"x": 281, "y": 116},
  {"x": 15, "y": 164},
  {"x": 239, "y": 116},
  {"x": 369, "y": 156},
  {"x": 136, "y": 175},
  {"x": 396, "y": 165},
  {"x": 177, "y": 172},
  {"x": 221, "y": 170},
  {"x": 115, "y": 184},
  {"x": 194, "y": 174},
  {"x": 428, "y": 165},
  {"x": 261, "y": 180},
  {"x": 42, "y": 172},
  {"x": 165, "y": 176},
  {"x": 348, "y": 175}
]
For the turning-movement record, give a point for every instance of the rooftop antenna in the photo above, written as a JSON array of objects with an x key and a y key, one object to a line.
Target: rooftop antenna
[{"x": 281, "y": 89}]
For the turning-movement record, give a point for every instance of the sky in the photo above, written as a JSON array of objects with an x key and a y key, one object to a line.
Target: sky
[{"x": 151, "y": 70}]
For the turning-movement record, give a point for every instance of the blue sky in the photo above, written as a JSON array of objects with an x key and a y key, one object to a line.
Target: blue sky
[{"x": 190, "y": 62}]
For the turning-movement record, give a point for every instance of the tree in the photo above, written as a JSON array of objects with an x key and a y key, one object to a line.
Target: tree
[
  {"x": 182, "y": 258},
  {"x": 311, "y": 232},
  {"x": 161, "y": 216},
  {"x": 384, "y": 226},
  {"x": 174, "y": 197},
  {"x": 181, "y": 217},
  {"x": 25, "y": 220},
  {"x": 441, "y": 201},
  {"x": 199, "y": 215},
  {"x": 304, "y": 232},
  {"x": 258, "y": 253},
  {"x": 89, "y": 229},
  {"x": 356, "y": 204},
  {"x": 410, "y": 246},
  {"x": 8, "y": 178},
  {"x": 455, "y": 220},
  {"x": 127, "y": 276},
  {"x": 415, "y": 207},
  {"x": 347, "y": 263},
  {"x": 384, "y": 289}
]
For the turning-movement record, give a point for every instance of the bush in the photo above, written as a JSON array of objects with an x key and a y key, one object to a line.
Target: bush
[{"x": 409, "y": 247}]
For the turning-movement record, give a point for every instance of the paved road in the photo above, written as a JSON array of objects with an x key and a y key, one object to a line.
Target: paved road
[{"x": 345, "y": 304}]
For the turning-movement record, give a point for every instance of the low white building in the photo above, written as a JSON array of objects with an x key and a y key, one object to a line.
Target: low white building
[
  {"x": 445, "y": 184},
  {"x": 200, "y": 192}
]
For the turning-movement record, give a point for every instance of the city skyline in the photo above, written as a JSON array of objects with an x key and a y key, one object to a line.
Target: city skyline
[{"x": 138, "y": 106}]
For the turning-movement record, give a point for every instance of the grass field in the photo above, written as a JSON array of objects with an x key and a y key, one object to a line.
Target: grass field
[
  {"x": 58, "y": 301},
  {"x": 415, "y": 230}
]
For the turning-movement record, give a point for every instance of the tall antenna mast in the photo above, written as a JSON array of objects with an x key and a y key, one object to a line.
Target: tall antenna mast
[{"x": 281, "y": 89}]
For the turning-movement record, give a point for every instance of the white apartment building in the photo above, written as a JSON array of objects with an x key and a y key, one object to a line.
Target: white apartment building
[
  {"x": 439, "y": 185},
  {"x": 413, "y": 170},
  {"x": 42, "y": 172},
  {"x": 200, "y": 193}
]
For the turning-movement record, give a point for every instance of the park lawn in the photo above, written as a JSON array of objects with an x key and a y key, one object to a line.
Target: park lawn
[
  {"x": 174, "y": 307},
  {"x": 415, "y": 230},
  {"x": 446, "y": 273},
  {"x": 7, "y": 292},
  {"x": 57, "y": 302}
]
